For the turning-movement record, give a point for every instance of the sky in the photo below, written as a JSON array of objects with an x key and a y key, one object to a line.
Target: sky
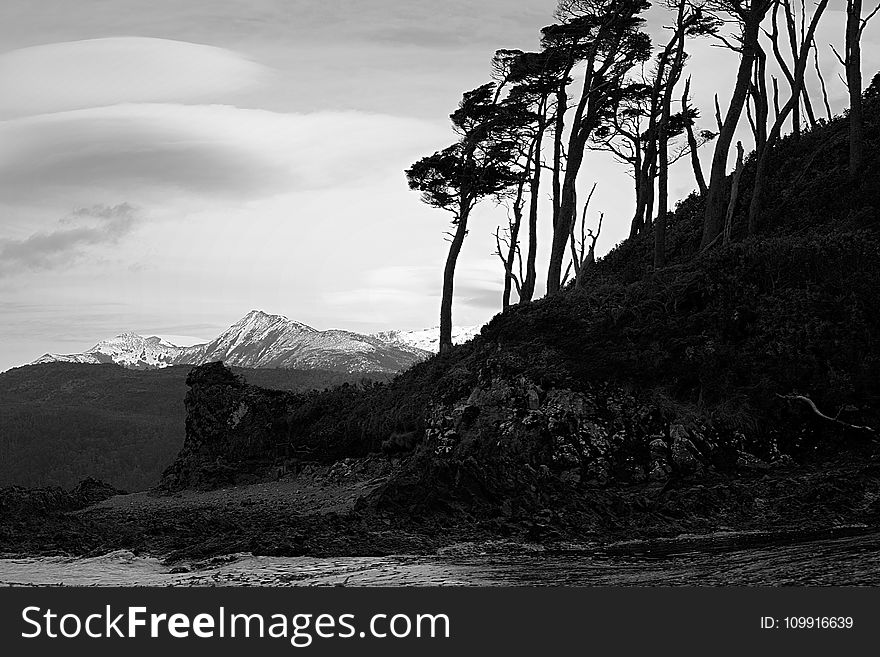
[{"x": 168, "y": 165}]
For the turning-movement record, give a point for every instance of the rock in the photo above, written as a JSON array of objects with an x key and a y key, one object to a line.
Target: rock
[
  {"x": 750, "y": 461},
  {"x": 91, "y": 491},
  {"x": 685, "y": 456},
  {"x": 658, "y": 466},
  {"x": 446, "y": 442},
  {"x": 237, "y": 433},
  {"x": 21, "y": 502}
]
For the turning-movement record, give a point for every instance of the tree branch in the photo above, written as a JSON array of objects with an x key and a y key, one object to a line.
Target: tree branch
[{"x": 809, "y": 402}]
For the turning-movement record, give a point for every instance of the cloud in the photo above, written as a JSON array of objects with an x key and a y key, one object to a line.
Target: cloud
[
  {"x": 215, "y": 150},
  {"x": 83, "y": 228},
  {"x": 95, "y": 72}
]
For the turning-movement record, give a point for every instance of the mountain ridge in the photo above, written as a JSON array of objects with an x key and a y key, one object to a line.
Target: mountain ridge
[{"x": 264, "y": 340}]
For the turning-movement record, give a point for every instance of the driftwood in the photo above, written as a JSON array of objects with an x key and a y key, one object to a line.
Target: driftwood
[{"x": 809, "y": 402}]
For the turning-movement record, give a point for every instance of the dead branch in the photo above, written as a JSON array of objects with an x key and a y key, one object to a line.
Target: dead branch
[
  {"x": 692, "y": 142},
  {"x": 837, "y": 54},
  {"x": 821, "y": 81},
  {"x": 776, "y": 98},
  {"x": 866, "y": 19},
  {"x": 508, "y": 268},
  {"x": 809, "y": 402}
]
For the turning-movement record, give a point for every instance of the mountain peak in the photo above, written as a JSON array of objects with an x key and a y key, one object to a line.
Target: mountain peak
[{"x": 260, "y": 314}]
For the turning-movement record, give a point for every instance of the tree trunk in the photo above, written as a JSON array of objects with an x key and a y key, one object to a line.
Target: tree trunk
[
  {"x": 854, "y": 82},
  {"x": 567, "y": 212},
  {"x": 510, "y": 258},
  {"x": 636, "y": 225},
  {"x": 561, "y": 108},
  {"x": 448, "y": 282},
  {"x": 528, "y": 285},
  {"x": 666, "y": 111},
  {"x": 662, "y": 194},
  {"x": 577, "y": 142},
  {"x": 734, "y": 193},
  {"x": 692, "y": 143},
  {"x": 716, "y": 206}
]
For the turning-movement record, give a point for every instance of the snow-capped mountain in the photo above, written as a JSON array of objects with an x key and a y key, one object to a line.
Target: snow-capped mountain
[
  {"x": 428, "y": 339},
  {"x": 128, "y": 349},
  {"x": 262, "y": 340},
  {"x": 258, "y": 340}
]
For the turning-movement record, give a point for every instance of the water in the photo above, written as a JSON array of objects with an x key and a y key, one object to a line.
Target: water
[{"x": 851, "y": 560}]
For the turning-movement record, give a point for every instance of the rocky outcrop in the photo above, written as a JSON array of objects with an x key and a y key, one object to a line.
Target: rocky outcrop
[
  {"x": 237, "y": 433},
  {"x": 18, "y": 502},
  {"x": 514, "y": 450},
  {"x": 234, "y": 431}
]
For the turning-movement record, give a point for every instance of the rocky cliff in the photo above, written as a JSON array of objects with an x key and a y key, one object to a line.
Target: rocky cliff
[{"x": 510, "y": 448}]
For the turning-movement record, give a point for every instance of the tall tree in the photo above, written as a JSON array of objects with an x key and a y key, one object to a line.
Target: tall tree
[
  {"x": 852, "y": 63},
  {"x": 609, "y": 41},
  {"x": 762, "y": 154},
  {"x": 690, "y": 21},
  {"x": 534, "y": 79},
  {"x": 458, "y": 177},
  {"x": 749, "y": 14}
]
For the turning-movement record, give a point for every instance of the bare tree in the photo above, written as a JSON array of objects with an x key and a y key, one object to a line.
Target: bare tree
[
  {"x": 795, "y": 40},
  {"x": 508, "y": 251},
  {"x": 583, "y": 248}
]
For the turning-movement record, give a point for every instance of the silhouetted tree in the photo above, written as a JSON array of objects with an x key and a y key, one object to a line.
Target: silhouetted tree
[
  {"x": 797, "y": 82},
  {"x": 606, "y": 37},
  {"x": 749, "y": 14},
  {"x": 690, "y": 21},
  {"x": 458, "y": 177},
  {"x": 627, "y": 138},
  {"x": 528, "y": 113},
  {"x": 795, "y": 41},
  {"x": 852, "y": 63},
  {"x": 534, "y": 77}
]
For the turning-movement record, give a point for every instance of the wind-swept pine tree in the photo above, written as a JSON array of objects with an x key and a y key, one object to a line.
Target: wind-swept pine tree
[
  {"x": 458, "y": 177},
  {"x": 604, "y": 37}
]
